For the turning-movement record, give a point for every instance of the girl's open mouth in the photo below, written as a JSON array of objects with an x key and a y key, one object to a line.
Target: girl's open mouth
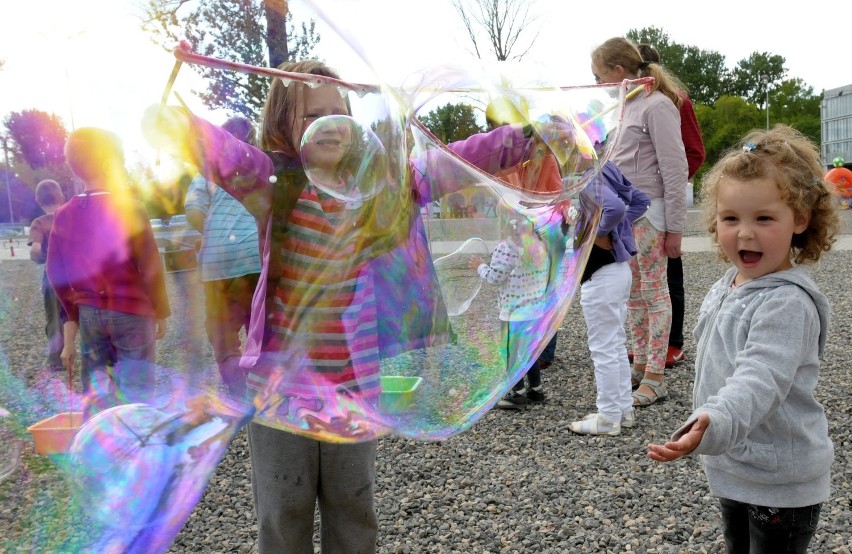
[{"x": 749, "y": 257}]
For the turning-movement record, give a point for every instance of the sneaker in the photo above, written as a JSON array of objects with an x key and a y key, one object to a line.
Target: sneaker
[
  {"x": 596, "y": 424},
  {"x": 628, "y": 418},
  {"x": 674, "y": 356},
  {"x": 535, "y": 395},
  {"x": 514, "y": 400}
]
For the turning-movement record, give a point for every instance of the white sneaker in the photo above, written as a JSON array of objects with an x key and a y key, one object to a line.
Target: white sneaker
[
  {"x": 596, "y": 424},
  {"x": 628, "y": 418}
]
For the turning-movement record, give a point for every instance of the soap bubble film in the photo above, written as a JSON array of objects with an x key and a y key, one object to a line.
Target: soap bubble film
[{"x": 399, "y": 271}]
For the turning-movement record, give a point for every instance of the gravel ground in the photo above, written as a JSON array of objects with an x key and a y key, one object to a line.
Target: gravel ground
[{"x": 515, "y": 482}]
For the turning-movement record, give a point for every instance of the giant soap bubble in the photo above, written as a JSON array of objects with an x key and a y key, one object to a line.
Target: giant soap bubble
[
  {"x": 377, "y": 318},
  {"x": 375, "y": 294}
]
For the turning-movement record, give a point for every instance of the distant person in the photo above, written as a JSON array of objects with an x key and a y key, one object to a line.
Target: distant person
[
  {"x": 650, "y": 153},
  {"x": 604, "y": 292},
  {"x": 229, "y": 261},
  {"x": 547, "y": 179},
  {"x": 519, "y": 266},
  {"x": 104, "y": 264},
  {"x": 693, "y": 145},
  {"x": 761, "y": 433},
  {"x": 49, "y": 197}
]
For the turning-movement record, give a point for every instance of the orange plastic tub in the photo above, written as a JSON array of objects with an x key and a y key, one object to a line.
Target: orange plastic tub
[{"x": 54, "y": 434}]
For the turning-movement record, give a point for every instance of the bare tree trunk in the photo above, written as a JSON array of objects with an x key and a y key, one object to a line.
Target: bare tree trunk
[
  {"x": 276, "y": 31},
  {"x": 502, "y": 21}
]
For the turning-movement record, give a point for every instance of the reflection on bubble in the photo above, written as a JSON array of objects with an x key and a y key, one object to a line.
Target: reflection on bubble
[
  {"x": 10, "y": 453},
  {"x": 344, "y": 159},
  {"x": 140, "y": 470},
  {"x": 459, "y": 286}
]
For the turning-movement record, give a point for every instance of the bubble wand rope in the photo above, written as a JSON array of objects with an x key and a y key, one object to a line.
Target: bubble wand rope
[
  {"x": 629, "y": 96},
  {"x": 163, "y": 99},
  {"x": 183, "y": 54}
]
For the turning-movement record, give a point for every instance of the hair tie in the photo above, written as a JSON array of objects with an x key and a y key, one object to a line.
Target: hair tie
[{"x": 749, "y": 146}]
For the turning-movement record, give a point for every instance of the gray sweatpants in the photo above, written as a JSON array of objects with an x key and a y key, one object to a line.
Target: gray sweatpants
[{"x": 290, "y": 474}]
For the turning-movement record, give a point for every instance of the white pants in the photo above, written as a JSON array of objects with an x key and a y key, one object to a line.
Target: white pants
[{"x": 604, "y": 301}]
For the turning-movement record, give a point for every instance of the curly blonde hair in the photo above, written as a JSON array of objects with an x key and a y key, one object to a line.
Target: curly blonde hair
[{"x": 792, "y": 160}]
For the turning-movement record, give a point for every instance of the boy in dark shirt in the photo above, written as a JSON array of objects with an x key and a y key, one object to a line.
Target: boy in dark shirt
[{"x": 105, "y": 267}]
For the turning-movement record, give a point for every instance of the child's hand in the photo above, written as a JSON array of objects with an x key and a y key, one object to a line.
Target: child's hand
[
  {"x": 475, "y": 262},
  {"x": 166, "y": 127},
  {"x": 672, "y": 244},
  {"x": 68, "y": 355},
  {"x": 687, "y": 443},
  {"x": 161, "y": 329}
]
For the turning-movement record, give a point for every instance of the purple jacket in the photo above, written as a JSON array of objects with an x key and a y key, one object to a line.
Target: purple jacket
[{"x": 622, "y": 205}]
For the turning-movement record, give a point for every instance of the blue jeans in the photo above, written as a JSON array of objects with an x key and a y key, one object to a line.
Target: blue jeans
[
  {"x": 751, "y": 529},
  {"x": 517, "y": 338},
  {"x": 117, "y": 351},
  {"x": 55, "y": 318},
  {"x": 549, "y": 352}
]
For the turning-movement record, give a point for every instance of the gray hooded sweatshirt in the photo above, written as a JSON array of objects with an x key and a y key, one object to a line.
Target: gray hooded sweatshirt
[{"x": 757, "y": 365}]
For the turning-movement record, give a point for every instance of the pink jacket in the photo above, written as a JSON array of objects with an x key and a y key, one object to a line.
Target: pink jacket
[{"x": 651, "y": 155}]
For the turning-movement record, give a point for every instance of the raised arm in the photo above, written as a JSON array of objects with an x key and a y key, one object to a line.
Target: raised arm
[
  {"x": 503, "y": 260},
  {"x": 438, "y": 173},
  {"x": 239, "y": 168}
]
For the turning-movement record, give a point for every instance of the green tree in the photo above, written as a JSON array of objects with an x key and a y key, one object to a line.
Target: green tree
[
  {"x": 729, "y": 103},
  {"x": 39, "y": 137},
  {"x": 753, "y": 75},
  {"x": 723, "y": 124},
  {"x": 255, "y": 32},
  {"x": 794, "y": 103},
  {"x": 703, "y": 72},
  {"x": 452, "y": 122}
]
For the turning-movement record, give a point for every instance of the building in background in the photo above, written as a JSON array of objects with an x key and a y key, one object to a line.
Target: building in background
[{"x": 836, "y": 121}]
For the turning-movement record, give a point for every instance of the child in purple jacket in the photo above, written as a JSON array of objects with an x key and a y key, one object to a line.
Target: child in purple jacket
[{"x": 605, "y": 289}]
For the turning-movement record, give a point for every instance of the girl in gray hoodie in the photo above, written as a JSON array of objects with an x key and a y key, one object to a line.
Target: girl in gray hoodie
[{"x": 762, "y": 435}]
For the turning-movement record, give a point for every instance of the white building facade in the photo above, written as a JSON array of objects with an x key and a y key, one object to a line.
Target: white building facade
[{"x": 836, "y": 123}]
